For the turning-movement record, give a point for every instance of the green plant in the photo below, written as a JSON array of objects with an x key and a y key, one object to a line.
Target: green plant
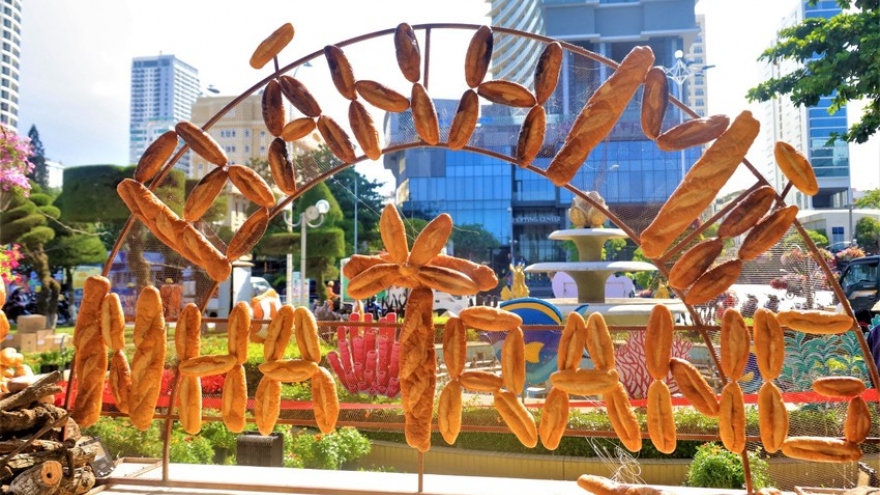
[
  {"x": 190, "y": 449},
  {"x": 716, "y": 467},
  {"x": 219, "y": 437},
  {"x": 326, "y": 451},
  {"x": 124, "y": 440}
]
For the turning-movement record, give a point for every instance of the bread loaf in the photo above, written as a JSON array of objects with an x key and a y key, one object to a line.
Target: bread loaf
[
  {"x": 417, "y": 396},
  {"x": 305, "y": 329},
  {"x": 747, "y": 212},
  {"x": 156, "y": 154},
  {"x": 584, "y": 382},
  {"x": 858, "y": 421},
  {"x": 325, "y": 401},
  {"x": 659, "y": 334},
  {"x": 508, "y": 93},
  {"x": 796, "y": 167},
  {"x": 700, "y": 185},
  {"x": 480, "y": 381},
  {"x": 113, "y": 322},
  {"x": 289, "y": 370},
  {"x": 393, "y": 234},
  {"x": 465, "y": 120},
  {"x": 149, "y": 358},
  {"x": 248, "y": 235},
  {"x": 772, "y": 417},
  {"x": 599, "y": 343},
  {"x": 694, "y": 262},
  {"x": 88, "y": 322},
  {"x": 189, "y": 404},
  {"x": 187, "y": 333},
  {"x": 732, "y": 418},
  {"x": 251, "y": 185},
  {"x": 278, "y": 334},
  {"x": 337, "y": 139},
  {"x": 478, "y": 56},
  {"x": 440, "y": 279},
  {"x": 274, "y": 113},
  {"x": 201, "y": 143},
  {"x": 839, "y": 386},
  {"x": 364, "y": 130},
  {"x": 554, "y": 418},
  {"x": 816, "y": 322},
  {"x": 821, "y": 449},
  {"x": 517, "y": 417},
  {"x": 340, "y": 71},
  {"x": 279, "y": 159},
  {"x": 693, "y": 385},
  {"x": 204, "y": 194},
  {"x": 489, "y": 318},
  {"x": 715, "y": 281},
  {"x": 531, "y": 136},
  {"x": 767, "y": 232},
  {"x": 234, "y": 398},
  {"x": 769, "y": 344},
  {"x": 694, "y": 132},
  {"x": 661, "y": 422},
  {"x": 381, "y": 96},
  {"x": 735, "y": 343},
  {"x": 482, "y": 275},
  {"x": 623, "y": 418},
  {"x": 237, "y": 331},
  {"x": 120, "y": 380},
  {"x": 299, "y": 96},
  {"x": 513, "y": 361},
  {"x": 572, "y": 342},
  {"x": 454, "y": 347},
  {"x": 272, "y": 46},
  {"x": 214, "y": 364},
  {"x": 212, "y": 260},
  {"x": 424, "y": 115},
  {"x": 409, "y": 57},
  {"x": 293, "y": 130},
  {"x": 267, "y": 405},
  {"x": 655, "y": 100},
  {"x": 430, "y": 241},
  {"x": 449, "y": 412},
  {"x": 547, "y": 71}
]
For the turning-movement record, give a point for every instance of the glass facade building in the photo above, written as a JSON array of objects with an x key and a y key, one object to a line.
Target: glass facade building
[{"x": 10, "y": 67}]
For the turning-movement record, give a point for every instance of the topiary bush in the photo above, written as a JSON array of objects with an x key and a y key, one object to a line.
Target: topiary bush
[{"x": 716, "y": 467}]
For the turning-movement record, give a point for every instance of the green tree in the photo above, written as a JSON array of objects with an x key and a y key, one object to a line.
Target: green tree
[
  {"x": 871, "y": 199},
  {"x": 369, "y": 208},
  {"x": 818, "y": 238},
  {"x": 472, "y": 241},
  {"x": 868, "y": 234},
  {"x": 40, "y": 174},
  {"x": 838, "y": 58}
]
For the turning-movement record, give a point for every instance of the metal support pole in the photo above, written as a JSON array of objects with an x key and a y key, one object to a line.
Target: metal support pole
[{"x": 304, "y": 295}]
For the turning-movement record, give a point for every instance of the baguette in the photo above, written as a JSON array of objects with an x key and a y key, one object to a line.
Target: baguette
[
  {"x": 297, "y": 129},
  {"x": 513, "y": 361},
  {"x": 767, "y": 232},
  {"x": 237, "y": 331},
  {"x": 306, "y": 332},
  {"x": 267, "y": 405},
  {"x": 234, "y": 398},
  {"x": 201, "y": 143},
  {"x": 732, "y": 418},
  {"x": 821, "y": 449},
  {"x": 113, "y": 322},
  {"x": 409, "y": 58},
  {"x": 204, "y": 194},
  {"x": 694, "y": 386},
  {"x": 280, "y": 164},
  {"x": 449, "y": 412},
  {"x": 694, "y": 262},
  {"x": 430, "y": 241},
  {"x": 599, "y": 485},
  {"x": 489, "y": 318},
  {"x": 148, "y": 362},
  {"x": 661, "y": 422},
  {"x": 482, "y": 275},
  {"x": 585, "y": 382},
  {"x": 373, "y": 280},
  {"x": 340, "y": 71},
  {"x": 772, "y": 417},
  {"x": 600, "y": 114},
  {"x": 187, "y": 333},
  {"x": 189, "y": 404},
  {"x": 478, "y": 56},
  {"x": 424, "y": 115},
  {"x": 299, "y": 96},
  {"x": 251, "y": 185},
  {"x": 337, "y": 139},
  {"x": 517, "y": 417},
  {"x": 572, "y": 342},
  {"x": 839, "y": 386},
  {"x": 289, "y": 370},
  {"x": 599, "y": 343},
  {"x": 858, "y": 421},
  {"x": 816, "y": 322},
  {"x": 547, "y": 72},
  {"x": 747, "y": 212},
  {"x": 694, "y": 132},
  {"x": 214, "y": 262},
  {"x": 531, "y": 136},
  {"x": 207, "y": 365},
  {"x": 248, "y": 235},
  {"x": 381, "y": 96},
  {"x": 700, "y": 185},
  {"x": 279, "y": 333},
  {"x": 714, "y": 282},
  {"x": 364, "y": 130},
  {"x": 655, "y": 100},
  {"x": 443, "y": 280},
  {"x": 480, "y": 381},
  {"x": 274, "y": 113},
  {"x": 325, "y": 401},
  {"x": 735, "y": 343},
  {"x": 454, "y": 347},
  {"x": 88, "y": 323},
  {"x": 769, "y": 344},
  {"x": 272, "y": 46},
  {"x": 417, "y": 393},
  {"x": 120, "y": 380},
  {"x": 4, "y": 324},
  {"x": 156, "y": 154},
  {"x": 554, "y": 418},
  {"x": 623, "y": 418},
  {"x": 659, "y": 334},
  {"x": 465, "y": 120},
  {"x": 508, "y": 93},
  {"x": 796, "y": 168}
]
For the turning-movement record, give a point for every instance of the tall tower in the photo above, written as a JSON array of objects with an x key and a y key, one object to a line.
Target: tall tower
[
  {"x": 11, "y": 53},
  {"x": 163, "y": 90},
  {"x": 514, "y": 58}
]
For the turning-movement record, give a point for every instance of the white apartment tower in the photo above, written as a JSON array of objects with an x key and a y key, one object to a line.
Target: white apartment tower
[
  {"x": 11, "y": 53},
  {"x": 163, "y": 90}
]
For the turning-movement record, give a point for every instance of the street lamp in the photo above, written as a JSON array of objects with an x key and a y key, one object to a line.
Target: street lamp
[
  {"x": 313, "y": 216},
  {"x": 679, "y": 73}
]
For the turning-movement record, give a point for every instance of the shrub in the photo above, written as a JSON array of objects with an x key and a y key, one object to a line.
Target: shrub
[
  {"x": 326, "y": 451},
  {"x": 716, "y": 467}
]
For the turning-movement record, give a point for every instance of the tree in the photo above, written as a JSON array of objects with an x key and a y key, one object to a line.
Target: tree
[
  {"x": 40, "y": 174},
  {"x": 473, "y": 242},
  {"x": 818, "y": 238},
  {"x": 369, "y": 208},
  {"x": 868, "y": 234},
  {"x": 837, "y": 59},
  {"x": 871, "y": 200}
]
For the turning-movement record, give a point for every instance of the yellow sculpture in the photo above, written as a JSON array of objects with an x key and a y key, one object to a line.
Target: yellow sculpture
[{"x": 519, "y": 288}]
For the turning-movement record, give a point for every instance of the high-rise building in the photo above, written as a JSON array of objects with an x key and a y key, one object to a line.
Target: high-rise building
[
  {"x": 513, "y": 58},
  {"x": 243, "y": 136},
  {"x": 11, "y": 53},
  {"x": 808, "y": 128},
  {"x": 163, "y": 90},
  {"x": 519, "y": 207}
]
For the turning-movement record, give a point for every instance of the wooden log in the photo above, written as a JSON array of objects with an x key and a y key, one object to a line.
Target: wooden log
[
  {"x": 24, "y": 421},
  {"x": 40, "y": 388},
  {"x": 76, "y": 456},
  {"x": 81, "y": 482},
  {"x": 39, "y": 480}
]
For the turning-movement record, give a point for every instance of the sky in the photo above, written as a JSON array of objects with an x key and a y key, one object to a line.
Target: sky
[{"x": 76, "y": 57}]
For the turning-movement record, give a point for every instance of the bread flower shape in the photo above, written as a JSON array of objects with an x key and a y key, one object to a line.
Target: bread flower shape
[{"x": 423, "y": 269}]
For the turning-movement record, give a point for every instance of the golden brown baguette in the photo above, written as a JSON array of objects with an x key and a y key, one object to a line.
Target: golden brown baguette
[
  {"x": 858, "y": 421},
  {"x": 482, "y": 275},
  {"x": 732, "y": 418},
  {"x": 234, "y": 398},
  {"x": 381, "y": 96},
  {"x": 430, "y": 241},
  {"x": 120, "y": 380},
  {"x": 237, "y": 331},
  {"x": 88, "y": 323},
  {"x": 299, "y": 96},
  {"x": 156, "y": 154},
  {"x": 278, "y": 334},
  {"x": 769, "y": 344},
  {"x": 600, "y": 114},
  {"x": 465, "y": 120},
  {"x": 305, "y": 330},
  {"x": 694, "y": 386},
  {"x": 839, "y": 386},
  {"x": 735, "y": 343},
  {"x": 821, "y": 449},
  {"x": 189, "y": 404},
  {"x": 599, "y": 343},
  {"x": 149, "y": 358},
  {"x": 480, "y": 381},
  {"x": 267, "y": 405},
  {"x": 513, "y": 361},
  {"x": 796, "y": 167},
  {"x": 584, "y": 381},
  {"x": 547, "y": 71},
  {"x": 201, "y": 143},
  {"x": 337, "y": 139},
  {"x": 700, "y": 185},
  {"x": 517, "y": 417},
  {"x": 694, "y": 262},
  {"x": 449, "y": 412},
  {"x": 772, "y": 417},
  {"x": 715, "y": 281},
  {"x": 478, "y": 56},
  {"x": 281, "y": 166},
  {"x": 531, "y": 136},
  {"x": 655, "y": 100},
  {"x": 489, "y": 318},
  {"x": 767, "y": 232},
  {"x": 747, "y": 212},
  {"x": 661, "y": 423},
  {"x": 211, "y": 259},
  {"x": 274, "y": 113},
  {"x": 202, "y": 197},
  {"x": 251, "y": 185},
  {"x": 816, "y": 322},
  {"x": 409, "y": 58},
  {"x": 659, "y": 334},
  {"x": 113, "y": 322},
  {"x": 554, "y": 418},
  {"x": 289, "y": 370},
  {"x": 454, "y": 347},
  {"x": 694, "y": 132},
  {"x": 623, "y": 418},
  {"x": 272, "y": 46},
  {"x": 424, "y": 115},
  {"x": 325, "y": 400},
  {"x": 340, "y": 71},
  {"x": 364, "y": 130},
  {"x": 393, "y": 234},
  {"x": 216, "y": 364},
  {"x": 507, "y": 93},
  {"x": 188, "y": 332},
  {"x": 298, "y": 129},
  {"x": 248, "y": 235},
  {"x": 572, "y": 342}
]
